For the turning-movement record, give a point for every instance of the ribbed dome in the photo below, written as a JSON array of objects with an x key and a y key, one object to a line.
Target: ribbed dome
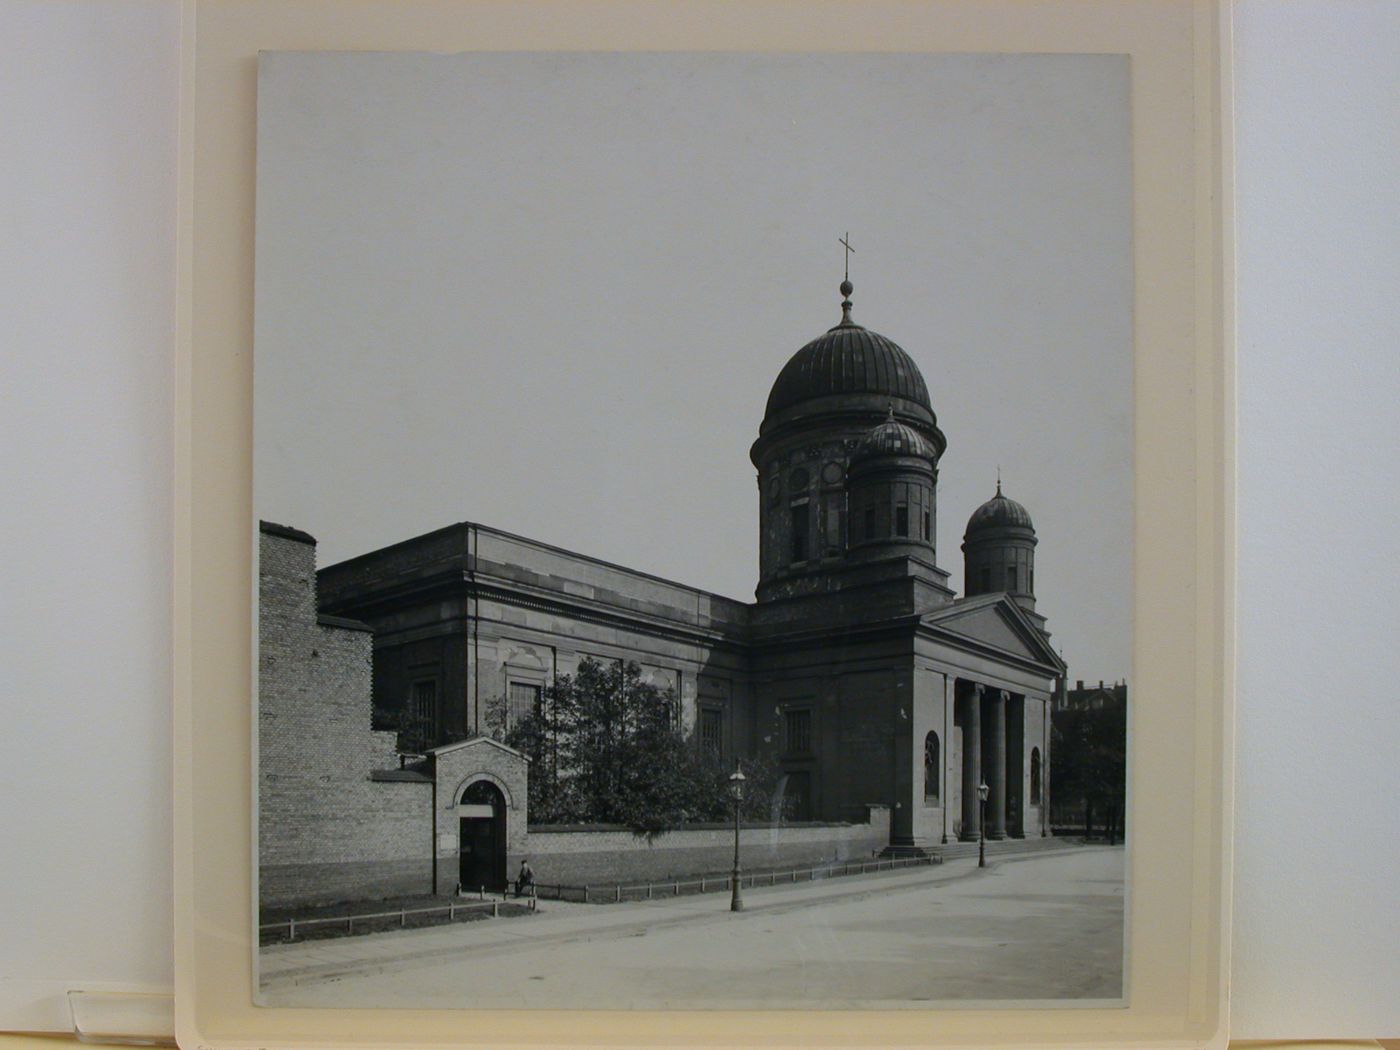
[
  {"x": 893, "y": 438},
  {"x": 998, "y": 513},
  {"x": 848, "y": 359}
]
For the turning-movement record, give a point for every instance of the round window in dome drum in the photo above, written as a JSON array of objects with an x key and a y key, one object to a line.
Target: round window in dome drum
[{"x": 799, "y": 479}]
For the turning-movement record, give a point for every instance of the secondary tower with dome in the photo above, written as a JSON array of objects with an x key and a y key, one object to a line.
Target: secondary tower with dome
[{"x": 858, "y": 671}]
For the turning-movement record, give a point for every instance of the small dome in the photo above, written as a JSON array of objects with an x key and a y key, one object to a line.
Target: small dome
[
  {"x": 893, "y": 438},
  {"x": 848, "y": 359},
  {"x": 999, "y": 513}
]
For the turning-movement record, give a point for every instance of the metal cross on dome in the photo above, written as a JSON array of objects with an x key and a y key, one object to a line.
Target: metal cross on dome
[{"x": 846, "y": 240}]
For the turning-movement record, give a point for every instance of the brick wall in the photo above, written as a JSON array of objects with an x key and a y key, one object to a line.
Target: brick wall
[
  {"x": 325, "y": 830},
  {"x": 596, "y": 856}
]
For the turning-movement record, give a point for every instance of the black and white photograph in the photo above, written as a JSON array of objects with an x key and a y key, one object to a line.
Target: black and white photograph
[{"x": 694, "y": 546}]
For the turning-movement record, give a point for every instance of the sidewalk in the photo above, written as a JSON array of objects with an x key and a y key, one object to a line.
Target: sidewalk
[{"x": 291, "y": 964}]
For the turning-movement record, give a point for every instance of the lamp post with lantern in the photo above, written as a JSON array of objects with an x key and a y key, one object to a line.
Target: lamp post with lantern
[
  {"x": 736, "y": 792},
  {"x": 982, "y": 792}
]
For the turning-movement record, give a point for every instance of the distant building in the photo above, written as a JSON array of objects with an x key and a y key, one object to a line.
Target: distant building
[
  {"x": 858, "y": 671},
  {"x": 1093, "y": 697}
]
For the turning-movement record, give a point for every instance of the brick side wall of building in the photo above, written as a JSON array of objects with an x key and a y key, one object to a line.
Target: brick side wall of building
[
  {"x": 596, "y": 857},
  {"x": 325, "y": 830}
]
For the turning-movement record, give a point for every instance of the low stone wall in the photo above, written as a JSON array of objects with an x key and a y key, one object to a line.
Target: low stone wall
[{"x": 598, "y": 854}]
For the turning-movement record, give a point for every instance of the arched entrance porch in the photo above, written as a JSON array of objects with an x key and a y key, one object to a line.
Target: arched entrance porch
[{"x": 481, "y": 815}]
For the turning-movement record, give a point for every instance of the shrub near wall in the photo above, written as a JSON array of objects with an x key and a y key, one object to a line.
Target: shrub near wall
[{"x": 580, "y": 855}]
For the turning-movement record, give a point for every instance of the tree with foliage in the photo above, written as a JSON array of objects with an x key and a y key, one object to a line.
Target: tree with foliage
[
  {"x": 1088, "y": 762},
  {"x": 415, "y": 733},
  {"x": 607, "y": 747}
]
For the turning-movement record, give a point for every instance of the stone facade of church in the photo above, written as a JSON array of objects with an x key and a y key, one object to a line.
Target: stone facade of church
[{"x": 858, "y": 670}]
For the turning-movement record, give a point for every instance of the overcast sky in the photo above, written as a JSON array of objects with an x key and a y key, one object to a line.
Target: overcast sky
[{"x": 550, "y": 292}]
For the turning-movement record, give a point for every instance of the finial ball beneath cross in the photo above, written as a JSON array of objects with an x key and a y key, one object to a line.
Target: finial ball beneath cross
[{"x": 847, "y": 288}]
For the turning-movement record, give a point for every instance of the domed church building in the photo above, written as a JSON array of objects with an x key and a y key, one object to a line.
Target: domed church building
[
  {"x": 906, "y": 691},
  {"x": 869, "y": 682}
]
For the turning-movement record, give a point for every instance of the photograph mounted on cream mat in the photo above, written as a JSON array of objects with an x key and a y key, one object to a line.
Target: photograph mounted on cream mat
[
  {"x": 703, "y": 505},
  {"x": 518, "y": 318}
]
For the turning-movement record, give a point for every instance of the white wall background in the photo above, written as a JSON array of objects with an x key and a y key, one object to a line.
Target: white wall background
[
  {"x": 87, "y": 267},
  {"x": 87, "y": 101},
  {"x": 1317, "y": 825}
]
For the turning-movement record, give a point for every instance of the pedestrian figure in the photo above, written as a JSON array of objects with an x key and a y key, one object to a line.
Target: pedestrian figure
[{"x": 525, "y": 881}]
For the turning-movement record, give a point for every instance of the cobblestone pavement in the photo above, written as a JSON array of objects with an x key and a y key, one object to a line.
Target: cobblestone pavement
[{"x": 1043, "y": 926}]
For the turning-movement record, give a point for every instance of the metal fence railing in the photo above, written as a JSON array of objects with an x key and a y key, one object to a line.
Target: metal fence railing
[
  {"x": 452, "y": 909},
  {"x": 617, "y": 892},
  {"x": 608, "y": 893}
]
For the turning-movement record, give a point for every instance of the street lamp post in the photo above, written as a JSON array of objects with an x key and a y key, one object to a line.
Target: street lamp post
[
  {"x": 982, "y": 792},
  {"x": 736, "y": 792}
]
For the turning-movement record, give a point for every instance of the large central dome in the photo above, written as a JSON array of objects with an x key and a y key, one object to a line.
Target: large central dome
[
  {"x": 848, "y": 359},
  {"x": 847, "y": 458}
]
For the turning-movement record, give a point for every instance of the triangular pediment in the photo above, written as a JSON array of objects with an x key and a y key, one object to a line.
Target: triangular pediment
[
  {"x": 995, "y": 621},
  {"x": 476, "y": 741}
]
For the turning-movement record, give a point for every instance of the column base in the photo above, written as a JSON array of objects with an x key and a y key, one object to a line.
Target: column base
[
  {"x": 995, "y": 836},
  {"x": 968, "y": 837}
]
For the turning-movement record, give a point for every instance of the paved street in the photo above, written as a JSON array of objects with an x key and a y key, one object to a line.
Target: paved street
[{"x": 1043, "y": 926}]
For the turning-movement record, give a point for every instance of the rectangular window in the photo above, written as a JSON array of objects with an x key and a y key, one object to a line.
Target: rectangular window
[
  {"x": 712, "y": 729},
  {"x": 833, "y": 521},
  {"x": 926, "y": 524},
  {"x": 986, "y": 579},
  {"x": 419, "y": 725},
  {"x": 422, "y": 704},
  {"x": 799, "y": 531},
  {"x": 1011, "y": 577},
  {"x": 901, "y": 520},
  {"x": 524, "y": 698},
  {"x": 799, "y": 732},
  {"x": 869, "y": 523}
]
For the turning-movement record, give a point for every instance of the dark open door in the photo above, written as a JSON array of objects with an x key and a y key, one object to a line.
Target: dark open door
[{"x": 482, "y": 837}]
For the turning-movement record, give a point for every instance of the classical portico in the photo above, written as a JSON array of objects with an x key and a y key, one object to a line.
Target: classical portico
[{"x": 983, "y": 684}]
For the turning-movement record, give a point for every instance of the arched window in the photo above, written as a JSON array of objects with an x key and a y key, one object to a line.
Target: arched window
[
  {"x": 1035, "y": 776},
  {"x": 931, "y": 767}
]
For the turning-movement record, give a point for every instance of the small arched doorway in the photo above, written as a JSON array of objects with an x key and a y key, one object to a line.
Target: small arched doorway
[{"x": 481, "y": 812}]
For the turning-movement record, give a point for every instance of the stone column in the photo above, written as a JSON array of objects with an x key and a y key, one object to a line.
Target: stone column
[
  {"x": 1045, "y": 715},
  {"x": 946, "y": 798},
  {"x": 996, "y": 775},
  {"x": 972, "y": 761}
]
